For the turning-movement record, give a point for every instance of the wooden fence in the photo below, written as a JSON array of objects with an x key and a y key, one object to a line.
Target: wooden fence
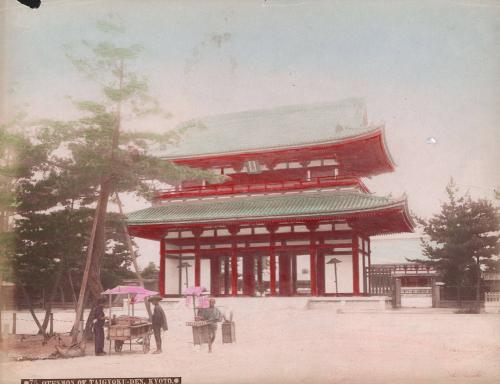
[{"x": 380, "y": 282}]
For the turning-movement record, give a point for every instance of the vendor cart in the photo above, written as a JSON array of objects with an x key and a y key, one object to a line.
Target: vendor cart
[
  {"x": 129, "y": 328},
  {"x": 201, "y": 333},
  {"x": 200, "y": 327}
]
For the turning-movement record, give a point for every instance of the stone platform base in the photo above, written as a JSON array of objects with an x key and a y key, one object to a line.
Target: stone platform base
[{"x": 351, "y": 304}]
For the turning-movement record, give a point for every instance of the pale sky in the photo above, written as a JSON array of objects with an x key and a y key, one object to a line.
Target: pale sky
[{"x": 426, "y": 70}]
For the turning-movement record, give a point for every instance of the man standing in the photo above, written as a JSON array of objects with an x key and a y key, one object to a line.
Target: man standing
[
  {"x": 98, "y": 327},
  {"x": 159, "y": 321},
  {"x": 213, "y": 315}
]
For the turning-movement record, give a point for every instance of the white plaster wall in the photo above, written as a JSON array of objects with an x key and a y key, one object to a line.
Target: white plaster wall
[
  {"x": 171, "y": 272},
  {"x": 416, "y": 301},
  {"x": 258, "y": 230},
  {"x": 277, "y": 268},
  {"x": 245, "y": 231},
  {"x": 190, "y": 279},
  {"x": 284, "y": 229},
  {"x": 171, "y": 276},
  {"x": 265, "y": 269},
  {"x": 301, "y": 228},
  {"x": 208, "y": 233},
  {"x": 205, "y": 273},
  {"x": 303, "y": 263},
  {"x": 341, "y": 226},
  {"x": 347, "y": 242},
  {"x": 239, "y": 271},
  {"x": 344, "y": 274}
]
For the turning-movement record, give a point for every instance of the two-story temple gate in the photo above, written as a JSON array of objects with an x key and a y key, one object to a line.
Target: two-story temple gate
[{"x": 289, "y": 204}]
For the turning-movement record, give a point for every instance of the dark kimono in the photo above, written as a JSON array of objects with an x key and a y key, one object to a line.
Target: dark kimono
[
  {"x": 159, "y": 322},
  {"x": 99, "y": 329}
]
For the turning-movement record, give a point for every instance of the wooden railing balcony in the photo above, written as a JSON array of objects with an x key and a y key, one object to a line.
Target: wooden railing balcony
[
  {"x": 404, "y": 269},
  {"x": 277, "y": 186}
]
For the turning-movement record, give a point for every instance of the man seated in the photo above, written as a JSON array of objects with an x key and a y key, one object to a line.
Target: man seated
[{"x": 213, "y": 315}]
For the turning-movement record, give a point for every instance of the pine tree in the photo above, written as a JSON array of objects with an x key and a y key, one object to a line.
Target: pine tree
[
  {"x": 151, "y": 271},
  {"x": 120, "y": 159},
  {"x": 463, "y": 238},
  {"x": 86, "y": 161}
]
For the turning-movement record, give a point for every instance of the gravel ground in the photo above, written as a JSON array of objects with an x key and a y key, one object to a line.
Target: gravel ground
[{"x": 280, "y": 341}]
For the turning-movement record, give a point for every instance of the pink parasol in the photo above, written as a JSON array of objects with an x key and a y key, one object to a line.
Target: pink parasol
[
  {"x": 129, "y": 289},
  {"x": 135, "y": 294},
  {"x": 194, "y": 291},
  {"x": 140, "y": 297},
  {"x": 194, "y": 294}
]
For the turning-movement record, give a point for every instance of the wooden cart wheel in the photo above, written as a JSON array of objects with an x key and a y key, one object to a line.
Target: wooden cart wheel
[
  {"x": 146, "y": 343},
  {"x": 118, "y": 345}
]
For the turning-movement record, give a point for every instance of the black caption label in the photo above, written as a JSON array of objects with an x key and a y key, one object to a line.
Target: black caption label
[{"x": 107, "y": 380}]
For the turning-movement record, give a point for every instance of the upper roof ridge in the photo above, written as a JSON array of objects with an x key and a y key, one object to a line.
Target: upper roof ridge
[
  {"x": 277, "y": 127},
  {"x": 279, "y": 109}
]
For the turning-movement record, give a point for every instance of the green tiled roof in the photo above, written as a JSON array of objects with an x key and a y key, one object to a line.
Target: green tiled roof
[
  {"x": 271, "y": 128},
  {"x": 263, "y": 206}
]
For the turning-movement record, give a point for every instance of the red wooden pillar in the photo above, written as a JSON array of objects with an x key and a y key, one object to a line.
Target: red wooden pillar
[
  {"x": 259, "y": 272},
  {"x": 197, "y": 256},
  {"x": 321, "y": 272},
  {"x": 272, "y": 258},
  {"x": 282, "y": 283},
  {"x": 369, "y": 264},
  {"x": 313, "y": 249},
  {"x": 214, "y": 275},
  {"x": 272, "y": 266},
  {"x": 294, "y": 273},
  {"x": 227, "y": 280},
  {"x": 161, "y": 280},
  {"x": 234, "y": 269},
  {"x": 249, "y": 275},
  {"x": 233, "y": 230},
  {"x": 355, "y": 264},
  {"x": 363, "y": 255},
  {"x": 285, "y": 275}
]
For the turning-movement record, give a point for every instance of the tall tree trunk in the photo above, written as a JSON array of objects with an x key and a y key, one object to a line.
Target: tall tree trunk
[
  {"x": 82, "y": 296},
  {"x": 129, "y": 243},
  {"x": 132, "y": 254},
  {"x": 92, "y": 273},
  {"x": 48, "y": 307},
  {"x": 95, "y": 286},
  {"x": 70, "y": 279},
  {"x": 32, "y": 311},
  {"x": 478, "y": 285},
  {"x": 88, "y": 334},
  {"x": 94, "y": 281},
  {"x": 106, "y": 189}
]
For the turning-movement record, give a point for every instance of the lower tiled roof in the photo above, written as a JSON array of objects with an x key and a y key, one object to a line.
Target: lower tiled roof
[{"x": 261, "y": 206}]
